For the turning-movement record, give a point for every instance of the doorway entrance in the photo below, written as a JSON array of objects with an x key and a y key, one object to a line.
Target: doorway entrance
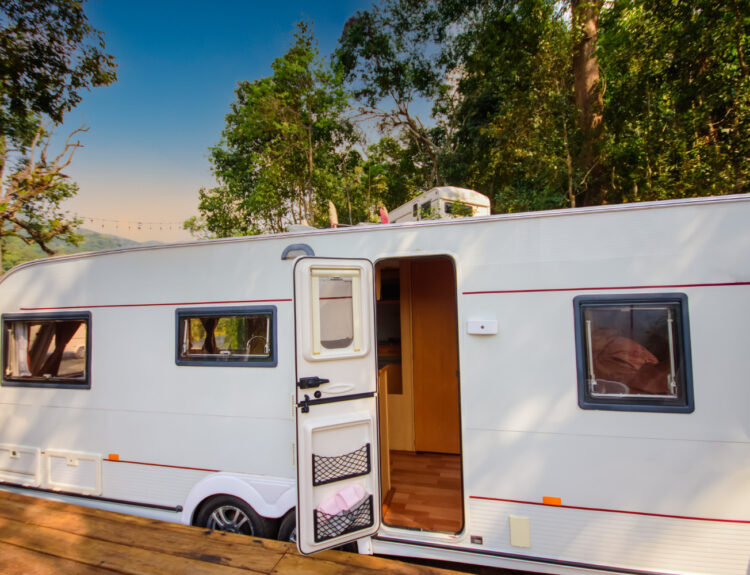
[{"x": 419, "y": 397}]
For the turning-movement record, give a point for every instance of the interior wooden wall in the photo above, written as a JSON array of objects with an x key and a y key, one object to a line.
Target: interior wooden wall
[
  {"x": 401, "y": 406},
  {"x": 425, "y": 417},
  {"x": 435, "y": 356}
]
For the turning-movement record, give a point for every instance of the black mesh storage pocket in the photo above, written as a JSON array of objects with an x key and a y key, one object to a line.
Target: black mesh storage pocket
[
  {"x": 336, "y": 468},
  {"x": 329, "y": 526}
]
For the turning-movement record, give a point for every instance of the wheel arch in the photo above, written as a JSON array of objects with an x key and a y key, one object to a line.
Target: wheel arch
[{"x": 270, "y": 497}]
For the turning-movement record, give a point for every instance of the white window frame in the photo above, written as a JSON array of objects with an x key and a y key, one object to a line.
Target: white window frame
[{"x": 318, "y": 349}]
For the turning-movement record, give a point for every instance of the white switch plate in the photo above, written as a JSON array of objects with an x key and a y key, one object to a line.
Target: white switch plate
[{"x": 482, "y": 326}]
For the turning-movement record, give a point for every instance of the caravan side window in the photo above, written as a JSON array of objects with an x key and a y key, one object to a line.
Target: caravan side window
[
  {"x": 633, "y": 353},
  {"x": 244, "y": 336},
  {"x": 51, "y": 350}
]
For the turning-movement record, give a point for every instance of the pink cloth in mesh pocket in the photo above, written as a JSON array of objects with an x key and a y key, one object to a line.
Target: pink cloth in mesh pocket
[{"x": 343, "y": 500}]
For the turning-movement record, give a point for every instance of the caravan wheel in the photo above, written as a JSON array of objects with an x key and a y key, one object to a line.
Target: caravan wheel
[
  {"x": 227, "y": 513},
  {"x": 288, "y": 528}
]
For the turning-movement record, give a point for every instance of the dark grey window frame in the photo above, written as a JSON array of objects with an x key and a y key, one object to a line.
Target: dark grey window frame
[
  {"x": 182, "y": 313},
  {"x": 684, "y": 403},
  {"x": 57, "y": 383}
]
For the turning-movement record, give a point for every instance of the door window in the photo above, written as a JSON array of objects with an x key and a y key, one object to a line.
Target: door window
[{"x": 337, "y": 311}]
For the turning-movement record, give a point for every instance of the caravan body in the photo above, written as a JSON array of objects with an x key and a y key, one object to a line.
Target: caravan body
[
  {"x": 560, "y": 392},
  {"x": 442, "y": 202}
]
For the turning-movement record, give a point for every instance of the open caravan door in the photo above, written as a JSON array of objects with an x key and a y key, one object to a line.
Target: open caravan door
[{"x": 338, "y": 497}]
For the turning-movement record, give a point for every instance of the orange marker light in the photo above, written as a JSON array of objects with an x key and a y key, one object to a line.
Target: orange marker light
[
  {"x": 114, "y": 457},
  {"x": 551, "y": 500}
]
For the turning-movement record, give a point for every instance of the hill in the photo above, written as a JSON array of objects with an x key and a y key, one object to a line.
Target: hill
[{"x": 16, "y": 252}]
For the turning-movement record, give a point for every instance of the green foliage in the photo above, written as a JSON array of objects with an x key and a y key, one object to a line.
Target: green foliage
[
  {"x": 461, "y": 210},
  {"x": 282, "y": 151},
  {"x": 538, "y": 104},
  {"x": 676, "y": 95},
  {"x": 394, "y": 171},
  {"x": 678, "y": 98},
  {"x": 31, "y": 196},
  {"x": 389, "y": 56},
  {"x": 50, "y": 53},
  {"x": 515, "y": 139}
]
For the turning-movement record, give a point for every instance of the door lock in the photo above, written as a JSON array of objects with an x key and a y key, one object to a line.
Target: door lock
[
  {"x": 305, "y": 404},
  {"x": 309, "y": 382}
]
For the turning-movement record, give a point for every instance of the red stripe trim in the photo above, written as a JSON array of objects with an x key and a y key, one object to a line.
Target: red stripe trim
[
  {"x": 160, "y": 465},
  {"x": 670, "y": 286},
  {"x": 611, "y": 510},
  {"x": 155, "y": 304}
]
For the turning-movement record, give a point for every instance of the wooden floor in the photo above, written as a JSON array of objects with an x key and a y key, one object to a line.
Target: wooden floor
[
  {"x": 425, "y": 492},
  {"x": 42, "y": 537}
]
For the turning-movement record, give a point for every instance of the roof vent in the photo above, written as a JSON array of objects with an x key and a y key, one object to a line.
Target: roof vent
[{"x": 295, "y": 251}]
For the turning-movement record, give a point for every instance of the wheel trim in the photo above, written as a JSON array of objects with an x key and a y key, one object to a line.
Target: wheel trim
[{"x": 231, "y": 519}]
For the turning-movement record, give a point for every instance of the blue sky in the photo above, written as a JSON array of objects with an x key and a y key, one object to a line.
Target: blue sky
[{"x": 146, "y": 151}]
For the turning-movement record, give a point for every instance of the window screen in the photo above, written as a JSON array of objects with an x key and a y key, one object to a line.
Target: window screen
[
  {"x": 226, "y": 336},
  {"x": 633, "y": 352},
  {"x": 336, "y": 313},
  {"x": 51, "y": 350}
]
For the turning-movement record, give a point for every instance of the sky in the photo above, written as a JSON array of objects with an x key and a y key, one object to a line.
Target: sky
[{"x": 145, "y": 155}]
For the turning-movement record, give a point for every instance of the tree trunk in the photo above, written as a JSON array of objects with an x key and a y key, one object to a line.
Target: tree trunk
[
  {"x": 310, "y": 167},
  {"x": 569, "y": 166},
  {"x": 589, "y": 100}
]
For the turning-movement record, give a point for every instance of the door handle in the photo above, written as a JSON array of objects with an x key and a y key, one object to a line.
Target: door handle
[{"x": 310, "y": 382}]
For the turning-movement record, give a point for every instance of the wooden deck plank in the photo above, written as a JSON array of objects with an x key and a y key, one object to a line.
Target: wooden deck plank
[
  {"x": 19, "y": 560},
  {"x": 299, "y": 565},
  {"x": 45, "y": 537},
  {"x": 115, "y": 557},
  {"x": 249, "y": 553}
]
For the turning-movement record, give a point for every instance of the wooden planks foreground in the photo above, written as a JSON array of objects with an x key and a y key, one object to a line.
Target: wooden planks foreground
[{"x": 42, "y": 537}]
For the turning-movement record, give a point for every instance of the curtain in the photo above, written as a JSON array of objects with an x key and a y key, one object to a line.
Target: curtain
[{"x": 64, "y": 332}]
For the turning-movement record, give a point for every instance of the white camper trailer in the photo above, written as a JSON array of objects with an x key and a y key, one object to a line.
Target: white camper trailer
[
  {"x": 561, "y": 392},
  {"x": 442, "y": 202}
]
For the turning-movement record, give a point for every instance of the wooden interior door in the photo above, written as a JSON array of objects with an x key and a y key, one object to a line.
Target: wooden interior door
[{"x": 435, "y": 356}]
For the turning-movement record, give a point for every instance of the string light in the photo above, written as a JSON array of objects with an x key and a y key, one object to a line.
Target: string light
[{"x": 140, "y": 226}]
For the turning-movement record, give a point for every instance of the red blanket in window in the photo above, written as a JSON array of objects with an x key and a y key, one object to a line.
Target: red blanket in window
[{"x": 619, "y": 358}]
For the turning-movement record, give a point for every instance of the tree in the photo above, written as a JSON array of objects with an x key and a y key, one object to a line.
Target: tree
[
  {"x": 385, "y": 53},
  {"x": 499, "y": 77},
  {"x": 284, "y": 144},
  {"x": 589, "y": 100},
  {"x": 583, "y": 102},
  {"x": 515, "y": 135},
  {"x": 33, "y": 192},
  {"x": 49, "y": 54},
  {"x": 388, "y": 175},
  {"x": 677, "y": 104}
]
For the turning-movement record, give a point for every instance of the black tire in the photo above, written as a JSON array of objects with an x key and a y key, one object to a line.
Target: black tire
[
  {"x": 288, "y": 532},
  {"x": 227, "y": 513},
  {"x": 288, "y": 528}
]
